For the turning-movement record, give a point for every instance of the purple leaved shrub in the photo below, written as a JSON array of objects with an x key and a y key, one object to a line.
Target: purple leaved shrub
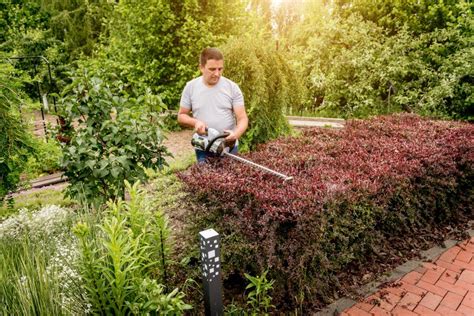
[{"x": 354, "y": 190}]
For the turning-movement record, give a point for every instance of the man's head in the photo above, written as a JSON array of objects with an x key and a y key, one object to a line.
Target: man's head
[{"x": 211, "y": 64}]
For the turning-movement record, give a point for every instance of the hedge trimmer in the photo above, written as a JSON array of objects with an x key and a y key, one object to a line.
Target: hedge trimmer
[{"x": 215, "y": 143}]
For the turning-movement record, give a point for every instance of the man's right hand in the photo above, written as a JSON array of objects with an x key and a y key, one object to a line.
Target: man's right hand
[{"x": 200, "y": 127}]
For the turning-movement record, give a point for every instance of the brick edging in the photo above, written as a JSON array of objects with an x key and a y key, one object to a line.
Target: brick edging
[{"x": 431, "y": 254}]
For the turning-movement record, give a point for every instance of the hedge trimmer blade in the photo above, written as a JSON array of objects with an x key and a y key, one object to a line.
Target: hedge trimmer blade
[
  {"x": 253, "y": 164},
  {"x": 214, "y": 142}
]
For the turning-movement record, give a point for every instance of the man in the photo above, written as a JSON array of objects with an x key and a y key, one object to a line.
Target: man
[{"x": 215, "y": 101}]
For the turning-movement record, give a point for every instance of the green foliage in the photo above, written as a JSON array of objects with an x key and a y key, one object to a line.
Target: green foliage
[
  {"x": 17, "y": 19},
  {"x": 25, "y": 288},
  {"x": 35, "y": 200},
  {"x": 121, "y": 256},
  {"x": 46, "y": 158},
  {"x": 354, "y": 69},
  {"x": 157, "y": 46},
  {"x": 117, "y": 138},
  {"x": 36, "y": 264},
  {"x": 270, "y": 86},
  {"x": 77, "y": 24},
  {"x": 258, "y": 298},
  {"x": 15, "y": 141},
  {"x": 420, "y": 16},
  {"x": 61, "y": 31},
  {"x": 343, "y": 77}
]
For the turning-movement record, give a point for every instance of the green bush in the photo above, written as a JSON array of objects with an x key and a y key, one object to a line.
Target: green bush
[{"x": 117, "y": 138}]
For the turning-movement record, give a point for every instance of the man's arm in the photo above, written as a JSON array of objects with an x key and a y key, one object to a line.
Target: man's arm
[
  {"x": 186, "y": 120},
  {"x": 241, "y": 126}
]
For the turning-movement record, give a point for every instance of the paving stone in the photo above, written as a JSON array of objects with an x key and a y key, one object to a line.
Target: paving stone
[
  {"x": 466, "y": 310},
  {"x": 464, "y": 285},
  {"x": 364, "y": 306},
  {"x": 450, "y": 266},
  {"x": 431, "y": 301},
  {"x": 464, "y": 256},
  {"x": 449, "y": 276},
  {"x": 451, "y": 287},
  {"x": 432, "y": 276},
  {"x": 401, "y": 311},
  {"x": 452, "y": 300},
  {"x": 412, "y": 277},
  {"x": 357, "y": 312},
  {"x": 432, "y": 288},
  {"x": 409, "y": 301},
  {"x": 446, "y": 311},
  {"x": 433, "y": 253},
  {"x": 388, "y": 300},
  {"x": 422, "y": 310},
  {"x": 414, "y": 289},
  {"x": 378, "y": 311},
  {"x": 468, "y": 300},
  {"x": 467, "y": 276},
  {"x": 443, "y": 287},
  {"x": 397, "y": 289}
]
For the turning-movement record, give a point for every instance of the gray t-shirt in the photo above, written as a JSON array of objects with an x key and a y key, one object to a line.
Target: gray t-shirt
[{"x": 213, "y": 105}]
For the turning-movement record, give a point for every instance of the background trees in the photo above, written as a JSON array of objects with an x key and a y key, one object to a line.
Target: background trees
[
  {"x": 361, "y": 58},
  {"x": 346, "y": 58}
]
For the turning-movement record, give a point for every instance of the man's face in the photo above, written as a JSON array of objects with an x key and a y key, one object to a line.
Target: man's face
[{"x": 212, "y": 71}]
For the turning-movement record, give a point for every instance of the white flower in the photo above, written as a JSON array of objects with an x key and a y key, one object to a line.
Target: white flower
[{"x": 42, "y": 223}]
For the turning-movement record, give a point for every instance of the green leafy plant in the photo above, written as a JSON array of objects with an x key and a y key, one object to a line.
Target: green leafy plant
[
  {"x": 117, "y": 138},
  {"x": 258, "y": 298},
  {"x": 121, "y": 258}
]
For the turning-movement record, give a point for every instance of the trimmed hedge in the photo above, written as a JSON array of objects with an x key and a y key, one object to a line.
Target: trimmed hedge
[{"x": 353, "y": 190}]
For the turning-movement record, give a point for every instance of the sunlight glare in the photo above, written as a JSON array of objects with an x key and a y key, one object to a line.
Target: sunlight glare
[{"x": 276, "y": 3}]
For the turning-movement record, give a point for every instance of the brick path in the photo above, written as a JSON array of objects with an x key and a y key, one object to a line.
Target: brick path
[{"x": 444, "y": 287}]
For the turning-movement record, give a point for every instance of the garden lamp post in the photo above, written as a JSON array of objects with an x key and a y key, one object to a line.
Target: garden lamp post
[{"x": 211, "y": 272}]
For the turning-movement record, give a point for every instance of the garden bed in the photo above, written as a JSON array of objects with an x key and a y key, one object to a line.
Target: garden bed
[{"x": 363, "y": 199}]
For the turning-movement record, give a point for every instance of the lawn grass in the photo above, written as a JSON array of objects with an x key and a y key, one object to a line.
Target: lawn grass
[{"x": 35, "y": 200}]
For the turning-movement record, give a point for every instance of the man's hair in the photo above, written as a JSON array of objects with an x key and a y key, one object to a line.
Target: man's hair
[{"x": 210, "y": 53}]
